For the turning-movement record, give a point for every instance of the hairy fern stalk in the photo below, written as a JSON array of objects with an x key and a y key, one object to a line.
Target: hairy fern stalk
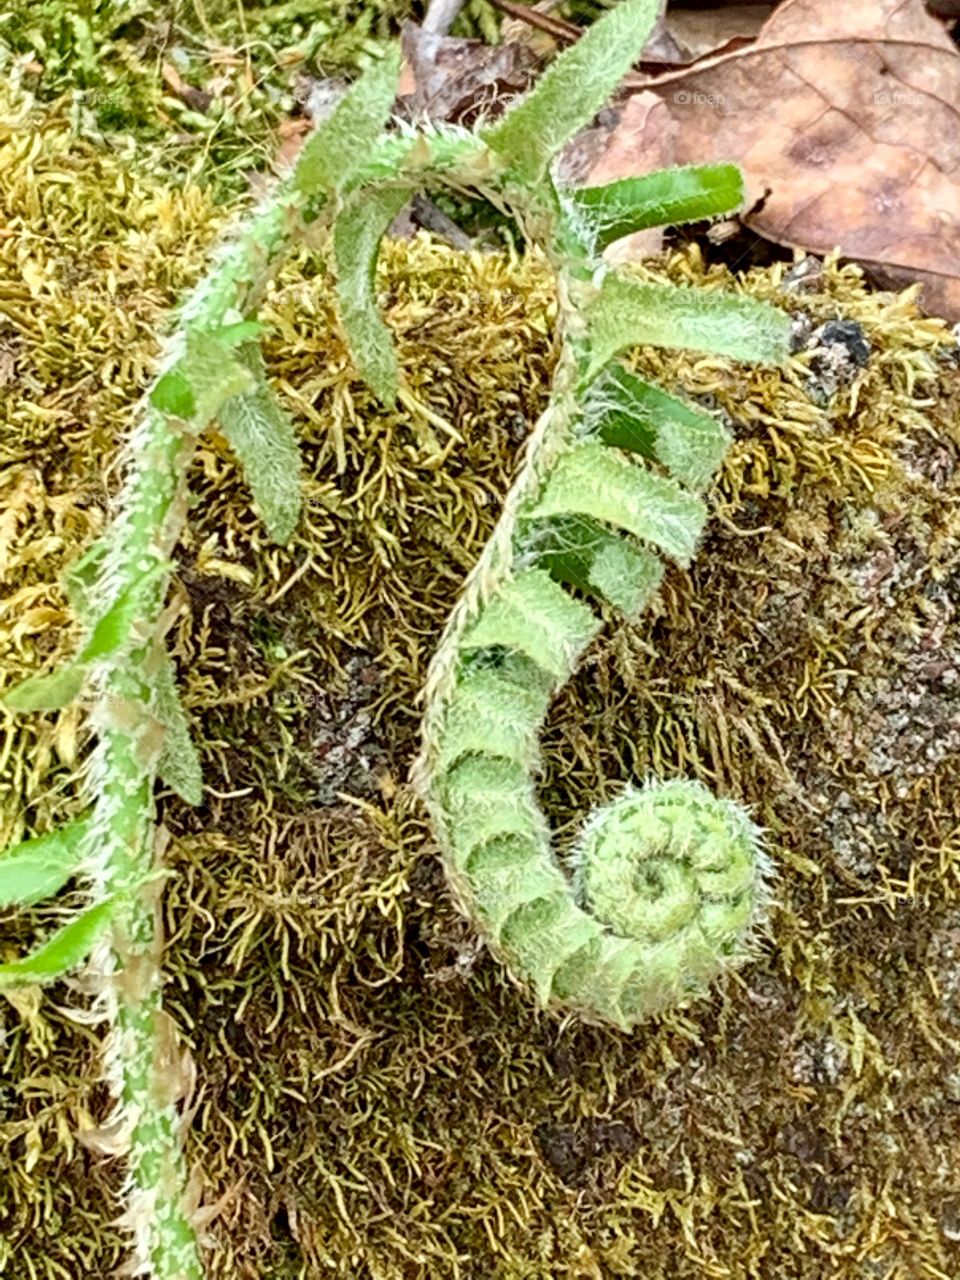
[{"x": 668, "y": 881}]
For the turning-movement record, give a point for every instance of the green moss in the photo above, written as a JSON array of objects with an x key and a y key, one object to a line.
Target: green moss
[
  {"x": 375, "y": 1099},
  {"x": 206, "y": 88}
]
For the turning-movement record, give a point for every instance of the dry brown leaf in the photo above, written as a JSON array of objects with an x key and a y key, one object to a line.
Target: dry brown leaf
[
  {"x": 701, "y": 32},
  {"x": 448, "y": 79},
  {"x": 112, "y": 1139},
  {"x": 843, "y": 118},
  {"x": 644, "y": 138}
]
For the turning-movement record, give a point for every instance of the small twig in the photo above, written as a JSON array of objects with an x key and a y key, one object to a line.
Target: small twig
[
  {"x": 557, "y": 27},
  {"x": 427, "y": 215},
  {"x": 441, "y": 15}
]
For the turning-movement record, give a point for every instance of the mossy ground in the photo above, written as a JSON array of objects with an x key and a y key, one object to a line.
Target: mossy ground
[
  {"x": 373, "y": 1098},
  {"x": 205, "y": 88}
]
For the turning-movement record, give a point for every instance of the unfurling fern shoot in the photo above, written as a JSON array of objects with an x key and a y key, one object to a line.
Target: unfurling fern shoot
[
  {"x": 669, "y": 880},
  {"x": 668, "y": 883}
]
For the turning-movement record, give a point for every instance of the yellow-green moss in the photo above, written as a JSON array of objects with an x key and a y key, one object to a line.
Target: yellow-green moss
[{"x": 373, "y": 1098}]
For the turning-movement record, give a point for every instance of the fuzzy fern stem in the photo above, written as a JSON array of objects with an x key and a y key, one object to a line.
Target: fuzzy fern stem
[{"x": 142, "y": 1060}]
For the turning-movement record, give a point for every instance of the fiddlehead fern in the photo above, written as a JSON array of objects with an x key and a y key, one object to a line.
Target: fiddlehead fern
[{"x": 668, "y": 882}]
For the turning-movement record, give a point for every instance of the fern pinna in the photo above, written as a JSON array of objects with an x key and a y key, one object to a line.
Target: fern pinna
[{"x": 669, "y": 881}]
